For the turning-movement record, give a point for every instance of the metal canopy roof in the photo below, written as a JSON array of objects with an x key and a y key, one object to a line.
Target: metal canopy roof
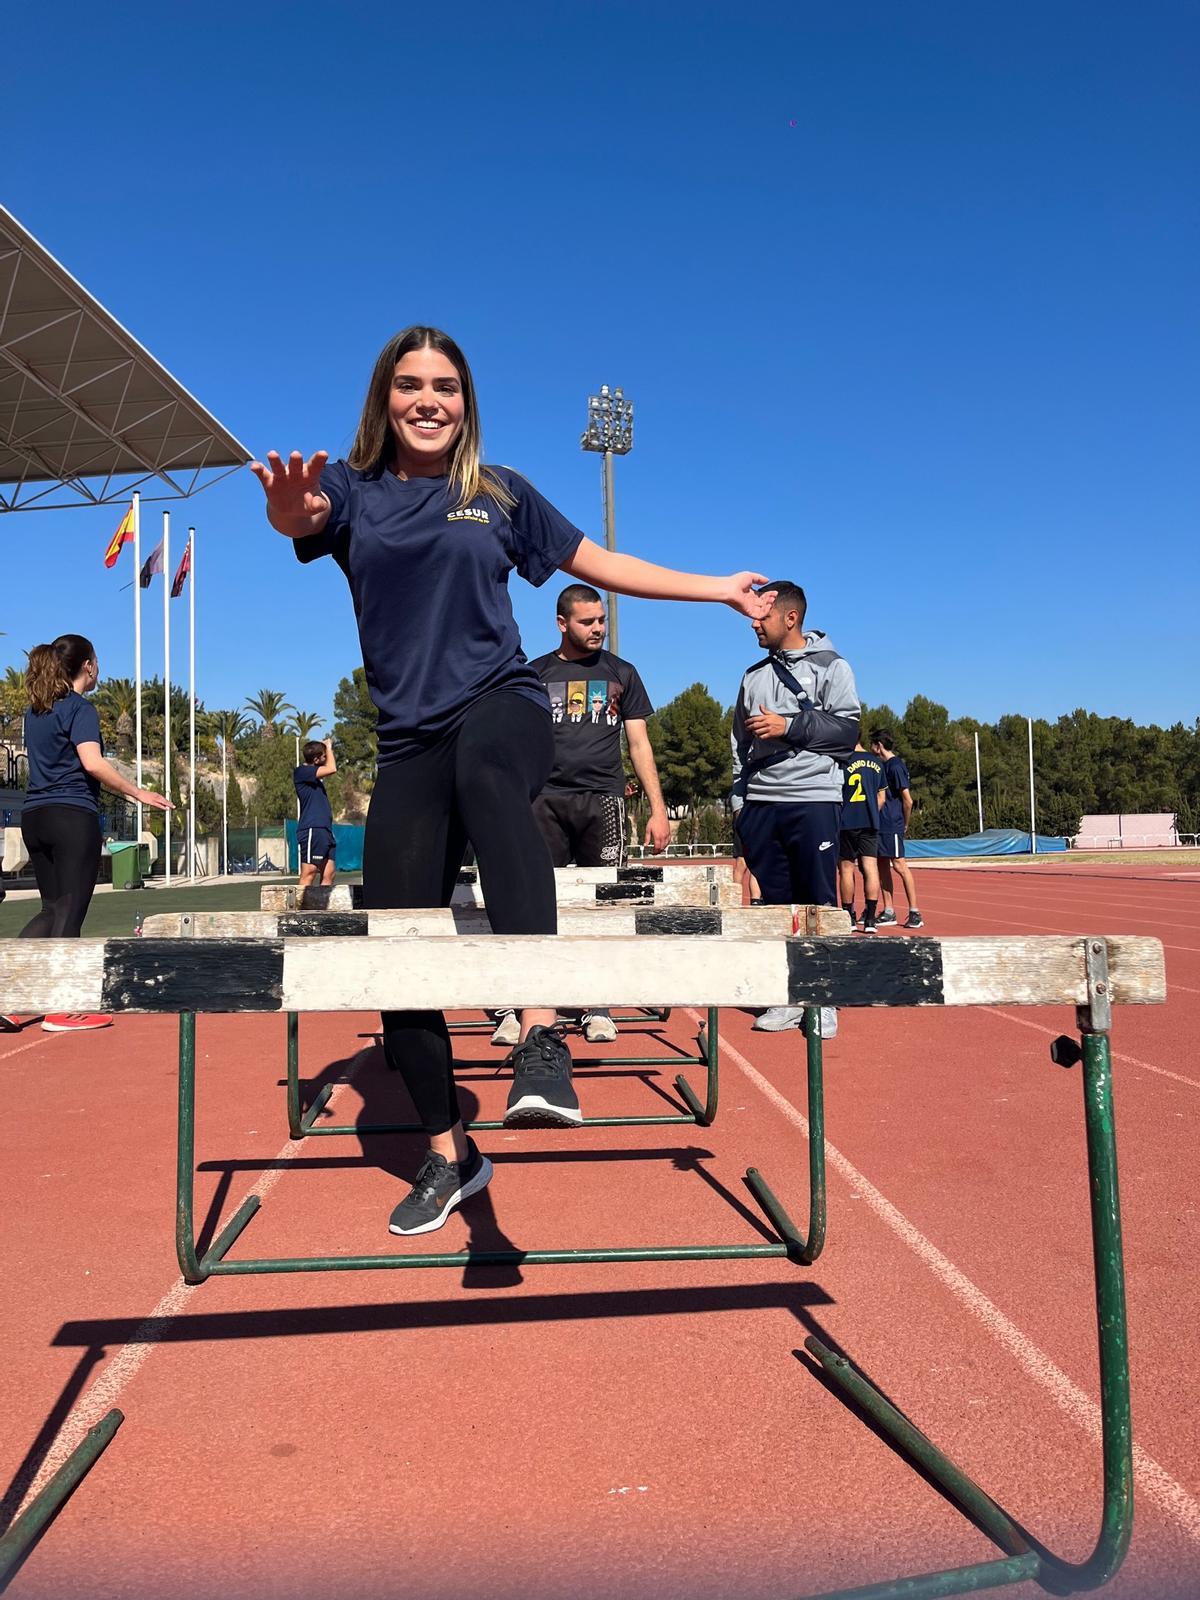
[{"x": 86, "y": 414}]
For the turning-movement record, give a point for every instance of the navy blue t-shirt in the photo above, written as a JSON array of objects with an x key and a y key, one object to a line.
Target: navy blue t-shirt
[
  {"x": 862, "y": 779},
  {"x": 315, "y": 810},
  {"x": 429, "y": 580},
  {"x": 895, "y": 777},
  {"x": 56, "y": 774}
]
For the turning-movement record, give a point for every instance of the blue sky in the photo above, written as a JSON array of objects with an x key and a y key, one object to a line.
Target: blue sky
[{"x": 905, "y": 297}]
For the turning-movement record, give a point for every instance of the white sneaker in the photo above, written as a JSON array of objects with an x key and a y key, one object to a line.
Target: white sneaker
[
  {"x": 829, "y": 1022},
  {"x": 508, "y": 1030},
  {"x": 779, "y": 1019},
  {"x": 599, "y": 1028}
]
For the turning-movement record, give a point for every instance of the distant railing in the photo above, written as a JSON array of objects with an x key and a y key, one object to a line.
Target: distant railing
[{"x": 14, "y": 772}]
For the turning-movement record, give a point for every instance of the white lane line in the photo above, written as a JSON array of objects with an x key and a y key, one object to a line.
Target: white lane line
[
  {"x": 1152, "y": 919},
  {"x": 43, "y": 1038},
  {"x": 1155, "y": 1483},
  {"x": 120, "y": 1372},
  {"x": 1117, "y": 1055},
  {"x": 1045, "y": 927}
]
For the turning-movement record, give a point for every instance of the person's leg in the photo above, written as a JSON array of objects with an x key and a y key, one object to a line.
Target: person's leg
[
  {"x": 902, "y": 871},
  {"x": 766, "y": 857},
  {"x": 846, "y": 873},
  {"x": 869, "y": 867},
  {"x": 41, "y": 859},
  {"x": 328, "y": 871},
  {"x": 407, "y": 845},
  {"x": 811, "y": 844},
  {"x": 548, "y": 812},
  {"x": 598, "y": 835},
  {"x": 505, "y": 753},
  {"x": 887, "y": 911}
]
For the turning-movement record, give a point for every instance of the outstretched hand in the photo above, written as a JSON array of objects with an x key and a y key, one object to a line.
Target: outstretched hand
[
  {"x": 292, "y": 487},
  {"x": 742, "y": 596}
]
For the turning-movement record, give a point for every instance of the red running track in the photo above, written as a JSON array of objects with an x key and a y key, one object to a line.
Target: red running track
[{"x": 627, "y": 1431}]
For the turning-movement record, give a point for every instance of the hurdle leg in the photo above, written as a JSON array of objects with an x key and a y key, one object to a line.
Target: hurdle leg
[
  {"x": 28, "y": 1528},
  {"x": 705, "y": 1115},
  {"x": 800, "y": 1248},
  {"x": 196, "y": 1269},
  {"x": 1116, "y": 1520}
]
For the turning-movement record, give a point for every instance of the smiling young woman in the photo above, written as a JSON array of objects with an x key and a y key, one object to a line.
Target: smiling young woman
[{"x": 427, "y": 535}]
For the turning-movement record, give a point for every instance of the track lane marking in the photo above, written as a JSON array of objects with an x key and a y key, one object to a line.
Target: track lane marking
[
  {"x": 125, "y": 1365},
  {"x": 1154, "y": 1481},
  {"x": 1117, "y": 1055}
]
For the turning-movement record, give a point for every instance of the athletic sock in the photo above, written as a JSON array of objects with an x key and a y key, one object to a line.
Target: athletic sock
[{"x": 870, "y": 905}]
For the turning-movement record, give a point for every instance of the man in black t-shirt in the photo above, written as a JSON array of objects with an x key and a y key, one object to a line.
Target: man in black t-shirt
[
  {"x": 581, "y": 811},
  {"x": 593, "y": 695}
]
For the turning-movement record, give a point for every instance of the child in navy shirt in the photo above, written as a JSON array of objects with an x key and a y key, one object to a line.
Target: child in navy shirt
[{"x": 314, "y": 826}]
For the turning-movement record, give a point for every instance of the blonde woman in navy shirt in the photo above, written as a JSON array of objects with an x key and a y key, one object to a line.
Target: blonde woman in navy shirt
[
  {"x": 427, "y": 535},
  {"x": 60, "y": 815}
]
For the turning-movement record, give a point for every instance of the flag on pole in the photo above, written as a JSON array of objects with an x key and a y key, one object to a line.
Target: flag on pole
[
  {"x": 152, "y": 564},
  {"x": 185, "y": 566},
  {"x": 123, "y": 536}
]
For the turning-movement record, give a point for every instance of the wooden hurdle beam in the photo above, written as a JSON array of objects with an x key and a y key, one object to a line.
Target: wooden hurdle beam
[
  {"x": 305, "y": 1121},
  {"x": 757, "y": 922},
  {"x": 339, "y": 973},
  {"x": 571, "y": 886}
]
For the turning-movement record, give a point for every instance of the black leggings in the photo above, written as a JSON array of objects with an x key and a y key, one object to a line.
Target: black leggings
[
  {"x": 64, "y": 847},
  {"x": 477, "y": 784}
]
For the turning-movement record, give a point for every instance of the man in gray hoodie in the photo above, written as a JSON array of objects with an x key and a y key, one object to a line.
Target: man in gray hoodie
[{"x": 795, "y": 721}]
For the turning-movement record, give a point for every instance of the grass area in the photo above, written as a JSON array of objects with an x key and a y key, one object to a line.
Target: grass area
[{"x": 112, "y": 915}]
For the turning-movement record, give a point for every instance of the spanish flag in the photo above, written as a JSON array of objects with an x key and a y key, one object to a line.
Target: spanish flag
[{"x": 123, "y": 535}]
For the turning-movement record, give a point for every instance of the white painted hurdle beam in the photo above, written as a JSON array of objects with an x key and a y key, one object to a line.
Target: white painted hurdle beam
[
  {"x": 393, "y": 974},
  {"x": 687, "y": 892},
  {"x": 759, "y": 922}
]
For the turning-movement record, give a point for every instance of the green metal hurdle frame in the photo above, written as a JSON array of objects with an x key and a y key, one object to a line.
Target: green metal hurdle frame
[
  {"x": 1023, "y": 1557},
  {"x": 25, "y": 1531},
  {"x": 792, "y": 1244},
  {"x": 303, "y": 1124}
]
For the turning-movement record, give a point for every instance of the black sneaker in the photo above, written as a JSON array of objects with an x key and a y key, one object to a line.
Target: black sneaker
[
  {"x": 542, "y": 1090},
  {"x": 869, "y": 923},
  {"x": 914, "y": 920},
  {"x": 886, "y": 919},
  {"x": 439, "y": 1187},
  {"x": 9, "y": 1024}
]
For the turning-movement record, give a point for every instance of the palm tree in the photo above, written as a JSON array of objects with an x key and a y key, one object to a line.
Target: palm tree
[
  {"x": 268, "y": 705},
  {"x": 302, "y": 724},
  {"x": 228, "y": 725},
  {"x": 116, "y": 701}
]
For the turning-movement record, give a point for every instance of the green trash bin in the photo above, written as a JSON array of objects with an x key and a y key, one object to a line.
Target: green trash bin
[{"x": 126, "y": 864}]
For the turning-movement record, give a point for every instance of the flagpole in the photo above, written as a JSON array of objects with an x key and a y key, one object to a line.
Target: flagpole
[
  {"x": 137, "y": 652},
  {"x": 191, "y": 544},
  {"x": 224, "y": 807},
  {"x": 166, "y": 578}
]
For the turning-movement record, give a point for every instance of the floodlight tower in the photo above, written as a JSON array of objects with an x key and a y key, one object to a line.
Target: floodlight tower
[{"x": 610, "y": 432}]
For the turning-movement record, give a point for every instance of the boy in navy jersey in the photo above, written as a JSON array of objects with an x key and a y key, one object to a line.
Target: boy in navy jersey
[
  {"x": 314, "y": 830},
  {"x": 862, "y": 789},
  {"x": 893, "y": 824}
]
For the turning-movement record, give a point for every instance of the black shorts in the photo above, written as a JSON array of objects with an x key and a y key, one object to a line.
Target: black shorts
[
  {"x": 582, "y": 829},
  {"x": 317, "y": 845},
  {"x": 854, "y": 843}
]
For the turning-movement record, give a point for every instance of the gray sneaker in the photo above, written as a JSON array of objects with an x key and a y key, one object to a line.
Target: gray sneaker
[
  {"x": 599, "y": 1028},
  {"x": 779, "y": 1019},
  {"x": 886, "y": 919},
  {"x": 508, "y": 1030}
]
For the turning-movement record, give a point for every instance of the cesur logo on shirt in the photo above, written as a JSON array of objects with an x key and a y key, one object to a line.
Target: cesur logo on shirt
[{"x": 469, "y": 514}]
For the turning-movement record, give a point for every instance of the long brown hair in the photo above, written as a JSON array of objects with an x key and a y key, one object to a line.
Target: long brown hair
[
  {"x": 53, "y": 668},
  {"x": 375, "y": 444}
]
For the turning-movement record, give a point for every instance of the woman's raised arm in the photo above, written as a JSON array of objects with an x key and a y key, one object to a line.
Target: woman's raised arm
[
  {"x": 610, "y": 569},
  {"x": 295, "y": 505}
]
